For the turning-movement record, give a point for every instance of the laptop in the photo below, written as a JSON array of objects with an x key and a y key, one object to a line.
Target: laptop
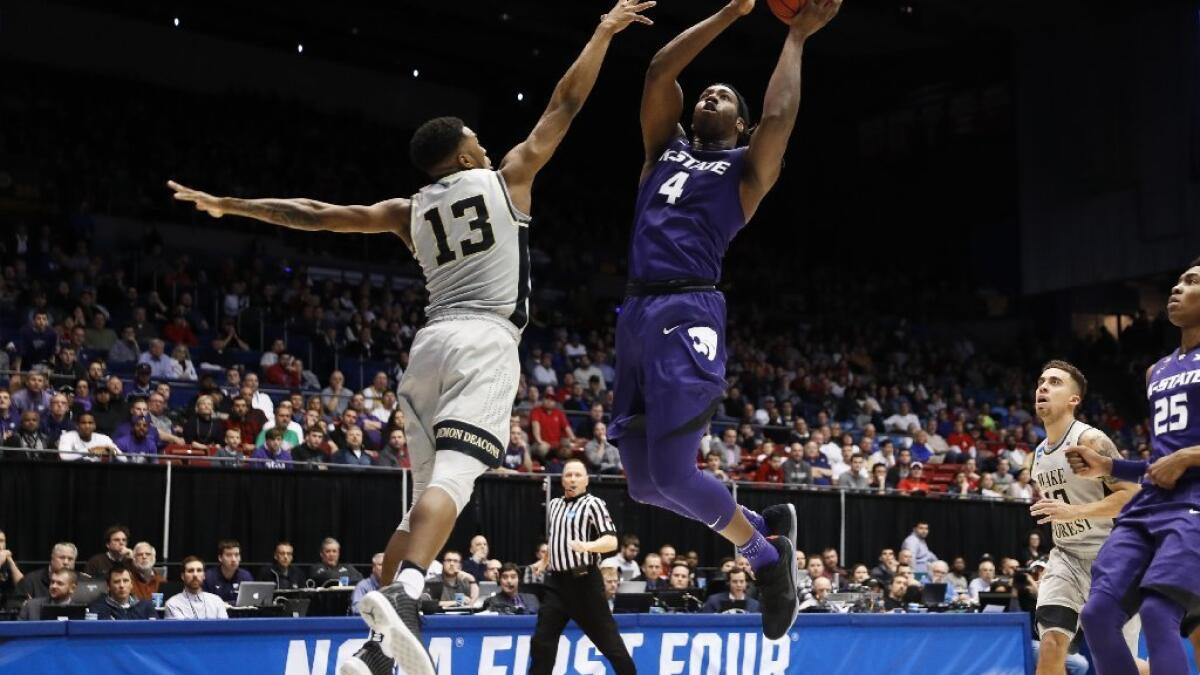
[
  {"x": 933, "y": 595},
  {"x": 995, "y": 602},
  {"x": 632, "y": 603},
  {"x": 631, "y": 587},
  {"x": 487, "y": 589},
  {"x": 63, "y": 612},
  {"x": 256, "y": 594},
  {"x": 88, "y": 591}
]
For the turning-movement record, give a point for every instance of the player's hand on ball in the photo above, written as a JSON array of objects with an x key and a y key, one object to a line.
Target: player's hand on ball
[
  {"x": 1087, "y": 463},
  {"x": 742, "y": 7},
  {"x": 577, "y": 546},
  {"x": 203, "y": 201},
  {"x": 1166, "y": 470},
  {"x": 626, "y": 12},
  {"x": 813, "y": 16},
  {"x": 1048, "y": 510}
]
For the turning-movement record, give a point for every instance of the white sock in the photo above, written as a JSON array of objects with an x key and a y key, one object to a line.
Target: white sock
[{"x": 413, "y": 582}]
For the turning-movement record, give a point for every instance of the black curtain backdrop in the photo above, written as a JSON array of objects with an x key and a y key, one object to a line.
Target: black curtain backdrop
[{"x": 45, "y": 502}]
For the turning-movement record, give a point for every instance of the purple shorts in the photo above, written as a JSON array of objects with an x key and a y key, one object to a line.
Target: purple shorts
[
  {"x": 1154, "y": 546},
  {"x": 670, "y": 363}
]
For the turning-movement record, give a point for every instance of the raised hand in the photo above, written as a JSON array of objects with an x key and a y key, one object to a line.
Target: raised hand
[
  {"x": 813, "y": 16},
  {"x": 1087, "y": 463},
  {"x": 626, "y": 12},
  {"x": 742, "y": 7},
  {"x": 203, "y": 201}
]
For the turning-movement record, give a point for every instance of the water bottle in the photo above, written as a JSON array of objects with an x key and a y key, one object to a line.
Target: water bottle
[
  {"x": 460, "y": 599},
  {"x": 158, "y": 600},
  {"x": 344, "y": 581}
]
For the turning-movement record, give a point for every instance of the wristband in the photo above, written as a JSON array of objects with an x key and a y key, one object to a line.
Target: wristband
[{"x": 1130, "y": 470}]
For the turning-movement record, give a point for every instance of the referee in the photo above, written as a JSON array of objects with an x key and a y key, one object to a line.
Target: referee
[{"x": 580, "y": 530}]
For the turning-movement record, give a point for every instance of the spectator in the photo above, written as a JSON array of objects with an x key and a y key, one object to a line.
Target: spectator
[
  {"x": 938, "y": 572},
  {"x": 958, "y": 575},
  {"x": 62, "y": 587},
  {"x": 897, "y": 590},
  {"x": 283, "y": 373},
  {"x": 146, "y": 579},
  {"x": 1002, "y": 475},
  {"x": 194, "y": 602},
  {"x": 116, "y": 551},
  {"x": 57, "y": 419},
  {"x": 737, "y": 583},
  {"x": 10, "y": 419},
  {"x": 987, "y": 487},
  {"x": 886, "y": 568},
  {"x": 915, "y": 481},
  {"x": 885, "y": 455},
  {"x": 371, "y": 583},
  {"x": 652, "y": 567},
  {"x": 900, "y": 469},
  {"x": 731, "y": 452},
  {"x": 456, "y": 582},
  {"x": 125, "y": 350},
  {"x": 136, "y": 445},
  {"x": 164, "y": 426},
  {"x": 516, "y": 455},
  {"x": 535, "y": 572},
  {"x": 226, "y": 578},
  {"x": 34, "y": 396},
  {"x": 820, "y": 473},
  {"x": 770, "y": 471},
  {"x": 98, "y": 337},
  {"x": 282, "y": 572},
  {"x": 556, "y": 462},
  {"x": 36, "y": 584},
  {"x": 509, "y": 600},
  {"x": 10, "y": 572},
  {"x": 601, "y": 454},
  {"x": 983, "y": 582},
  {"x": 373, "y": 395},
  {"x": 915, "y": 543},
  {"x": 818, "y": 599},
  {"x": 960, "y": 485},
  {"x": 84, "y": 444},
  {"x": 476, "y": 565},
  {"x": 549, "y": 425},
  {"x": 271, "y": 356},
  {"x": 625, "y": 560},
  {"x": 179, "y": 331},
  {"x": 258, "y": 400},
  {"x": 180, "y": 367},
  {"x": 66, "y": 367},
  {"x": 856, "y": 478},
  {"x": 271, "y": 455},
  {"x": 348, "y": 420},
  {"x": 203, "y": 429},
  {"x": 796, "y": 471},
  {"x": 1021, "y": 487},
  {"x": 352, "y": 455},
  {"x": 712, "y": 466},
  {"x": 119, "y": 604},
  {"x": 331, "y": 567},
  {"x": 935, "y": 442},
  {"x": 612, "y": 584},
  {"x": 543, "y": 374},
  {"x": 230, "y": 453},
  {"x": 246, "y": 420},
  {"x": 879, "y": 478},
  {"x": 335, "y": 398},
  {"x": 315, "y": 449},
  {"x": 492, "y": 571},
  {"x": 903, "y": 420},
  {"x": 680, "y": 578},
  {"x": 29, "y": 442},
  {"x": 36, "y": 342},
  {"x": 293, "y": 433},
  {"x": 1033, "y": 547},
  {"x": 161, "y": 366},
  {"x": 920, "y": 449}
]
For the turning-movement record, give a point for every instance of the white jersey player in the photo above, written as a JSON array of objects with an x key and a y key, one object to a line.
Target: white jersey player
[
  {"x": 468, "y": 230},
  {"x": 1079, "y": 510}
]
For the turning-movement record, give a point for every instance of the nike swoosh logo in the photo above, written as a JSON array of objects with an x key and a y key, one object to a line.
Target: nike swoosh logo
[
  {"x": 1193, "y": 512},
  {"x": 714, "y": 523},
  {"x": 668, "y": 331}
]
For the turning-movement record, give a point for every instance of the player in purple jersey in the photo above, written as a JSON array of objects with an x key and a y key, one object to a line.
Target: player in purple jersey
[
  {"x": 1151, "y": 561},
  {"x": 695, "y": 194}
]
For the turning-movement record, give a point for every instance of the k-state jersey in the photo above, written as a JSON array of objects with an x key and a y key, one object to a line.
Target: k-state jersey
[
  {"x": 1173, "y": 392},
  {"x": 688, "y": 210},
  {"x": 473, "y": 246}
]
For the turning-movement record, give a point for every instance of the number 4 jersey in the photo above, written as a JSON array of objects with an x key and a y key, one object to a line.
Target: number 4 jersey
[
  {"x": 688, "y": 210},
  {"x": 473, "y": 246},
  {"x": 1054, "y": 478}
]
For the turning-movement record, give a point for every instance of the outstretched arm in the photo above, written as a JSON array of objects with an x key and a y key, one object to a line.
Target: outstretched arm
[
  {"x": 781, "y": 106},
  {"x": 662, "y": 97},
  {"x": 522, "y": 163},
  {"x": 392, "y": 215}
]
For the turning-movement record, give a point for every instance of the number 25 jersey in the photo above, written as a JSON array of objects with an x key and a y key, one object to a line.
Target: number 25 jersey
[
  {"x": 473, "y": 246},
  {"x": 688, "y": 210}
]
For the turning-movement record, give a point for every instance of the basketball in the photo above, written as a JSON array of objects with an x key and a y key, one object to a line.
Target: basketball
[{"x": 785, "y": 10}]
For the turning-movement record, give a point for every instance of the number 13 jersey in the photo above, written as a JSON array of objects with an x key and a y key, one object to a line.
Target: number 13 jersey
[
  {"x": 473, "y": 246},
  {"x": 688, "y": 210},
  {"x": 1054, "y": 478}
]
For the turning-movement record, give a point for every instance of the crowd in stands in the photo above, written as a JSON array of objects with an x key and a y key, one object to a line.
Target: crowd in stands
[{"x": 135, "y": 587}]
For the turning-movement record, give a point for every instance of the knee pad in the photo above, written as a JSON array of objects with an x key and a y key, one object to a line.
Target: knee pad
[{"x": 455, "y": 473}]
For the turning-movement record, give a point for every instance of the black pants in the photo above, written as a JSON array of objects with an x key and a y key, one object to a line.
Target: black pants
[{"x": 582, "y": 599}]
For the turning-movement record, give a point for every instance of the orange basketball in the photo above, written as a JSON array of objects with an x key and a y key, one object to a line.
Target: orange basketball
[{"x": 785, "y": 10}]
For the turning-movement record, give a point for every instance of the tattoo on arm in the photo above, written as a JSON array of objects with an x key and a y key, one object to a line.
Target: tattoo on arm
[
  {"x": 283, "y": 212},
  {"x": 1101, "y": 443}
]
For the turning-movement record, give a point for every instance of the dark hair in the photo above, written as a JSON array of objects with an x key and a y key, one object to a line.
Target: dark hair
[
  {"x": 273, "y": 432},
  {"x": 630, "y": 538},
  {"x": 510, "y": 567},
  {"x": 736, "y": 570},
  {"x": 1075, "y": 373},
  {"x": 117, "y": 568},
  {"x": 683, "y": 565},
  {"x": 115, "y": 529},
  {"x": 187, "y": 561},
  {"x": 434, "y": 141},
  {"x": 226, "y": 544},
  {"x": 449, "y": 551},
  {"x": 743, "y": 112},
  {"x": 284, "y": 542}
]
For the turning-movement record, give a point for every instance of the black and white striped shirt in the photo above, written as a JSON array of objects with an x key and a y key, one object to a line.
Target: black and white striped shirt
[{"x": 583, "y": 518}]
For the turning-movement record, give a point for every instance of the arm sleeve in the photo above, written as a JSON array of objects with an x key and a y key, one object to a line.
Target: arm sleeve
[{"x": 1131, "y": 470}]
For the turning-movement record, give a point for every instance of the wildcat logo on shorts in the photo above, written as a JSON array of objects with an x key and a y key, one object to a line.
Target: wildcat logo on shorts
[{"x": 704, "y": 341}]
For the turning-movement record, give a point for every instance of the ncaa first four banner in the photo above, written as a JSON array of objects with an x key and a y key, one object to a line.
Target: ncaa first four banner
[{"x": 681, "y": 644}]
